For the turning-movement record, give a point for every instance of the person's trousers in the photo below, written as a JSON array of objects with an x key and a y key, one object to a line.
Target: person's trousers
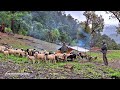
[{"x": 105, "y": 59}]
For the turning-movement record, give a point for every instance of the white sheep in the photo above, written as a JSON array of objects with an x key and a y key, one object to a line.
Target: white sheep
[
  {"x": 31, "y": 58},
  {"x": 40, "y": 56},
  {"x": 2, "y": 48},
  {"x": 61, "y": 56},
  {"x": 51, "y": 58}
]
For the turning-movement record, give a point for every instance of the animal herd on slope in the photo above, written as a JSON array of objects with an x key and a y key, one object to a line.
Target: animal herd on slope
[{"x": 34, "y": 55}]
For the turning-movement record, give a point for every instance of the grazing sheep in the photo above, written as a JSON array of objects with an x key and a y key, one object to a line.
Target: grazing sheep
[
  {"x": 90, "y": 58},
  {"x": 31, "y": 58},
  {"x": 51, "y": 58},
  {"x": 31, "y": 52},
  {"x": 72, "y": 57},
  {"x": 61, "y": 56},
  {"x": 2, "y": 48},
  {"x": 40, "y": 56},
  {"x": 82, "y": 55},
  {"x": 23, "y": 54},
  {"x": 18, "y": 52},
  {"x": 11, "y": 51},
  {"x": 6, "y": 53}
]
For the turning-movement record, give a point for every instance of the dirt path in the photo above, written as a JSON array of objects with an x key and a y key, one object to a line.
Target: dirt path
[{"x": 115, "y": 64}]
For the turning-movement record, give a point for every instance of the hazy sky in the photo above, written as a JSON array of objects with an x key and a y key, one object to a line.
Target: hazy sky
[{"x": 79, "y": 15}]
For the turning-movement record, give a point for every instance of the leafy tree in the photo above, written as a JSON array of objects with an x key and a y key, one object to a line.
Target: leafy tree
[
  {"x": 55, "y": 35},
  {"x": 10, "y": 18},
  {"x": 116, "y": 15},
  {"x": 87, "y": 28},
  {"x": 96, "y": 22},
  {"x": 51, "y": 20},
  {"x": 15, "y": 15},
  {"x": 63, "y": 37}
]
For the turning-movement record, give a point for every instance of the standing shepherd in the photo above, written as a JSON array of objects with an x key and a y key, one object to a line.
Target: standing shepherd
[{"x": 104, "y": 51}]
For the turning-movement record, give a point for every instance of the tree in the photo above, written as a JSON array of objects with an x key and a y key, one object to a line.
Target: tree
[
  {"x": 4, "y": 19},
  {"x": 96, "y": 22},
  {"x": 14, "y": 15},
  {"x": 115, "y": 14},
  {"x": 63, "y": 37},
  {"x": 55, "y": 34},
  {"x": 85, "y": 27},
  {"x": 9, "y": 17}
]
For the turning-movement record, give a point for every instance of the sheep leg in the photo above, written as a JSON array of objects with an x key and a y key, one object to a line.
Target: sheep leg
[
  {"x": 38, "y": 61},
  {"x": 5, "y": 57},
  {"x": 29, "y": 61},
  {"x": 49, "y": 61},
  {"x": 33, "y": 61},
  {"x": 54, "y": 61},
  {"x": 44, "y": 60}
]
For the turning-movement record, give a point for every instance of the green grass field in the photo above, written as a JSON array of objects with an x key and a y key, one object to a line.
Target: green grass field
[
  {"x": 86, "y": 69},
  {"x": 111, "y": 55}
]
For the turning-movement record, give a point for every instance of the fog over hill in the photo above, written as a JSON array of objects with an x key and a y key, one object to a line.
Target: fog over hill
[{"x": 110, "y": 30}]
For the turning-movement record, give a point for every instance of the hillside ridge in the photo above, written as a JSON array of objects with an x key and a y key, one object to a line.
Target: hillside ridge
[{"x": 20, "y": 41}]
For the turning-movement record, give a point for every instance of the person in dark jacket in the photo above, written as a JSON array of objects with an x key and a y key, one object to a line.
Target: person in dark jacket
[
  {"x": 104, "y": 51},
  {"x": 64, "y": 48}
]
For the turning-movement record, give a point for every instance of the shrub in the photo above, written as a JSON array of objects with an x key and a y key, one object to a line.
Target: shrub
[
  {"x": 22, "y": 32},
  {"x": 8, "y": 30}
]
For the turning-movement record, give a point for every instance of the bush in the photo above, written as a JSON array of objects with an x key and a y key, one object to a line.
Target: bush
[
  {"x": 22, "y": 32},
  {"x": 8, "y": 30}
]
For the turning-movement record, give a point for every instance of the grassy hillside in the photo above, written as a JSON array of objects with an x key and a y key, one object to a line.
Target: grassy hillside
[
  {"x": 82, "y": 69},
  {"x": 20, "y": 41}
]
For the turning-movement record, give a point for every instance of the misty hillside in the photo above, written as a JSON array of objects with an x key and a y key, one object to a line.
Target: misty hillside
[
  {"x": 25, "y": 42},
  {"x": 115, "y": 37},
  {"x": 110, "y": 30}
]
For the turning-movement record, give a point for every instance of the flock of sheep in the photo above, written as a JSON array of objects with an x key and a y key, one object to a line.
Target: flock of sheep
[{"x": 42, "y": 55}]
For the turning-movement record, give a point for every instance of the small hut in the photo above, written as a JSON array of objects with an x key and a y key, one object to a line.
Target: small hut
[{"x": 69, "y": 49}]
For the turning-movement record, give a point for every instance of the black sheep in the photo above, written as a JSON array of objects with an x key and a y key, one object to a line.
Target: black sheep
[
  {"x": 82, "y": 55},
  {"x": 72, "y": 57}
]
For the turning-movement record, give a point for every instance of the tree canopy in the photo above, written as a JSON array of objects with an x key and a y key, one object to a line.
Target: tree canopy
[{"x": 56, "y": 26}]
